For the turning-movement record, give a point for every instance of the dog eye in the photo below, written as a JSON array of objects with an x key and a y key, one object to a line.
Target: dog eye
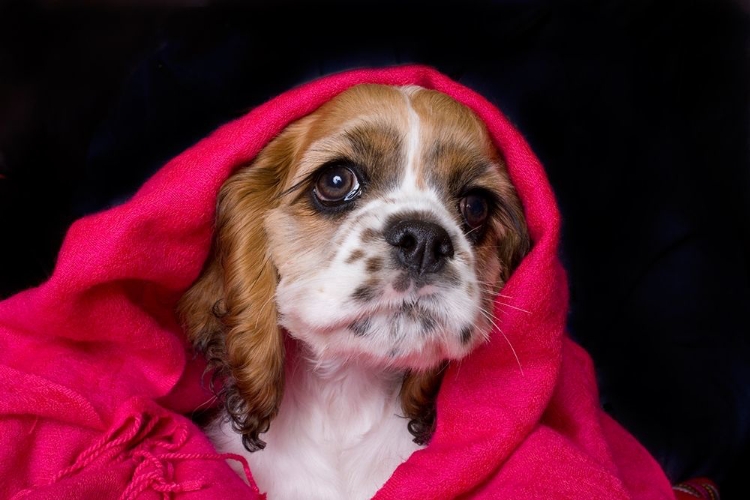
[
  {"x": 475, "y": 209},
  {"x": 336, "y": 184}
]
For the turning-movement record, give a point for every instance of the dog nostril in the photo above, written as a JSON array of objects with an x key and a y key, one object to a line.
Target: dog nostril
[
  {"x": 407, "y": 242},
  {"x": 420, "y": 246}
]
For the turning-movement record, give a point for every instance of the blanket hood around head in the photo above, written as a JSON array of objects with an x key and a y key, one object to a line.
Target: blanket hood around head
[{"x": 97, "y": 382}]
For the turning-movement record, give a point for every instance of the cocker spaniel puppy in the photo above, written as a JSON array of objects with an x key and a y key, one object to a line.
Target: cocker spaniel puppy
[{"x": 360, "y": 252}]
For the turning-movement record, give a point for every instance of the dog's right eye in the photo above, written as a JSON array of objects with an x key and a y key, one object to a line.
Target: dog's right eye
[{"x": 336, "y": 185}]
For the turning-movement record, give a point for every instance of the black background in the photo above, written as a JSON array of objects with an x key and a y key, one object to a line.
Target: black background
[{"x": 638, "y": 109}]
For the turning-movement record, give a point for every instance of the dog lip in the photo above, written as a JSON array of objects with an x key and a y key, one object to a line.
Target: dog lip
[{"x": 424, "y": 304}]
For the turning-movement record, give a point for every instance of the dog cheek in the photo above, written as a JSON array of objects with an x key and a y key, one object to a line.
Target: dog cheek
[{"x": 292, "y": 245}]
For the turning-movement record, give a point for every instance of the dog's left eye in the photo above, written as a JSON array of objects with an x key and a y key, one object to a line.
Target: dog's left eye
[
  {"x": 475, "y": 209},
  {"x": 336, "y": 185}
]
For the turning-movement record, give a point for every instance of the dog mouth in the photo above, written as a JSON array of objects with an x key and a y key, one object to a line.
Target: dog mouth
[
  {"x": 420, "y": 323},
  {"x": 408, "y": 318},
  {"x": 392, "y": 283},
  {"x": 392, "y": 316},
  {"x": 415, "y": 330}
]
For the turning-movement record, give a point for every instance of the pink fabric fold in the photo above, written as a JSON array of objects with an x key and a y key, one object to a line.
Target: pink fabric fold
[{"x": 97, "y": 382}]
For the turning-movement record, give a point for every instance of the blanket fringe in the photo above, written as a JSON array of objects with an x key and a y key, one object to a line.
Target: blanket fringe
[
  {"x": 152, "y": 442},
  {"x": 699, "y": 488}
]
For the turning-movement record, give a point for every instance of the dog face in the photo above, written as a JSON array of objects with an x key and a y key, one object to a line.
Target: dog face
[
  {"x": 385, "y": 236},
  {"x": 378, "y": 229}
]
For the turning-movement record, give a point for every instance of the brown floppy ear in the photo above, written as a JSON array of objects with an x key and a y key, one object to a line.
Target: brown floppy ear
[
  {"x": 229, "y": 313},
  {"x": 418, "y": 393},
  {"x": 512, "y": 234}
]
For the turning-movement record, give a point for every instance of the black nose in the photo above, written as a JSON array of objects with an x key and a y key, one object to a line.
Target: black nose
[{"x": 421, "y": 246}]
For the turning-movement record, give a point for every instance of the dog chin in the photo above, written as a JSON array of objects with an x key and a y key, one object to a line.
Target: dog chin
[{"x": 412, "y": 340}]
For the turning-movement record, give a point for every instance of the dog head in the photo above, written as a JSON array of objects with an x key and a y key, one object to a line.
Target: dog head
[{"x": 378, "y": 229}]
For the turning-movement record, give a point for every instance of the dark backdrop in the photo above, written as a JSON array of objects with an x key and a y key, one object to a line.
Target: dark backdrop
[{"x": 637, "y": 108}]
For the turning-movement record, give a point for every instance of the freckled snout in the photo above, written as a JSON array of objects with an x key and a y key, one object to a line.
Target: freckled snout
[{"x": 419, "y": 246}]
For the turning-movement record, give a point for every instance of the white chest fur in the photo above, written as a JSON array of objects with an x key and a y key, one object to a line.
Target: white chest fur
[{"x": 339, "y": 434}]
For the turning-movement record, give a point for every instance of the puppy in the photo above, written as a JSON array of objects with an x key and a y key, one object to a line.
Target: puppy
[{"x": 360, "y": 252}]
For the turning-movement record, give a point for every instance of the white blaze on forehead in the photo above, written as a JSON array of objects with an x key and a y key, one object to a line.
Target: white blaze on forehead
[
  {"x": 412, "y": 141},
  {"x": 414, "y": 193}
]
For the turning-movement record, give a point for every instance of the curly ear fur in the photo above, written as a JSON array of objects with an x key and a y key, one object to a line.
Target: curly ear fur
[
  {"x": 514, "y": 242},
  {"x": 418, "y": 393},
  {"x": 229, "y": 313}
]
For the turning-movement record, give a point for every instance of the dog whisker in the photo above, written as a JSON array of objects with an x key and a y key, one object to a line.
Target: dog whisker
[
  {"x": 486, "y": 287},
  {"x": 505, "y": 304},
  {"x": 489, "y": 318},
  {"x": 206, "y": 404}
]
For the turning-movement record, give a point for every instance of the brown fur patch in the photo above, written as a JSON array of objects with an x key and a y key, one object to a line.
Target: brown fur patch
[
  {"x": 367, "y": 292},
  {"x": 374, "y": 265},
  {"x": 355, "y": 256},
  {"x": 370, "y": 235},
  {"x": 402, "y": 282}
]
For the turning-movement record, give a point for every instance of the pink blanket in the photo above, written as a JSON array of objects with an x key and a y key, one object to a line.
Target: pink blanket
[{"x": 97, "y": 383}]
